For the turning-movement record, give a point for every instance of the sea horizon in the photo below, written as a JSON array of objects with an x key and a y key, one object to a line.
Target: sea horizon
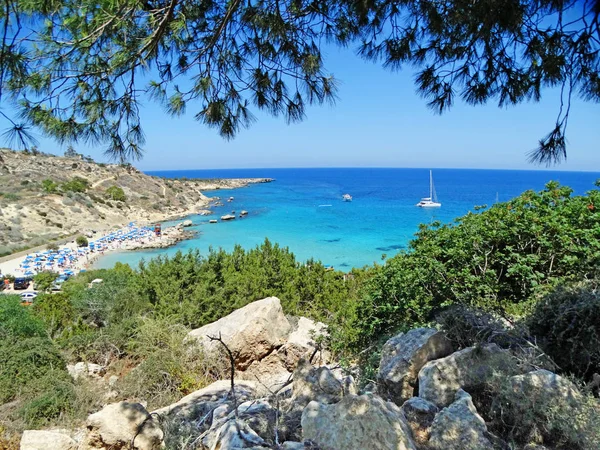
[
  {"x": 539, "y": 169},
  {"x": 303, "y": 208}
]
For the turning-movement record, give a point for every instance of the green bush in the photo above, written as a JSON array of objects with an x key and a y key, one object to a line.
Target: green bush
[
  {"x": 567, "y": 326},
  {"x": 55, "y": 310},
  {"x": 26, "y": 353},
  {"x": 49, "y": 186},
  {"x": 116, "y": 193},
  {"x": 53, "y": 396},
  {"x": 43, "y": 281},
  {"x": 77, "y": 184},
  {"x": 81, "y": 241}
]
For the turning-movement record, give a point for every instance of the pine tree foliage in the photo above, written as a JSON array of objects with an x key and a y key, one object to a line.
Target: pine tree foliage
[{"x": 80, "y": 71}]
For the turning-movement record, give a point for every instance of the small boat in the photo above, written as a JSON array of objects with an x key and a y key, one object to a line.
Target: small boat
[
  {"x": 347, "y": 197},
  {"x": 228, "y": 217},
  {"x": 230, "y": 199},
  {"x": 243, "y": 213},
  {"x": 212, "y": 221},
  {"x": 431, "y": 201}
]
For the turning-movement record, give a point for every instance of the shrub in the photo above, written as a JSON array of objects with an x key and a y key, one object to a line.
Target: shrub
[
  {"x": 52, "y": 246},
  {"x": 42, "y": 213},
  {"x": 527, "y": 416},
  {"x": 116, "y": 193},
  {"x": 24, "y": 182},
  {"x": 169, "y": 367},
  {"x": 43, "y": 281},
  {"x": 81, "y": 241},
  {"x": 49, "y": 186},
  {"x": 567, "y": 326},
  {"x": 467, "y": 327},
  {"x": 26, "y": 353},
  {"x": 77, "y": 184},
  {"x": 11, "y": 197},
  {"x": 51, "y": 396}
]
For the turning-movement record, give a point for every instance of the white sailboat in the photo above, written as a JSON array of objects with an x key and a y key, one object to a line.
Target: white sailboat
[{"x": 431, "y": 201}]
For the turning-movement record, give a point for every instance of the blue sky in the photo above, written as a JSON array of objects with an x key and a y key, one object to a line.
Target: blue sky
[{"x": 378, "y": 121}]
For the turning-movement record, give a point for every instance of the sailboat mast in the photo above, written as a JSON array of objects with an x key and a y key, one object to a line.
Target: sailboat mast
[{"x": 430, "y": 185}]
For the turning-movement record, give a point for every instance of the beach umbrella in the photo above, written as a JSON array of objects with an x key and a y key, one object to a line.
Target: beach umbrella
[{"x": 25, "y": 266}]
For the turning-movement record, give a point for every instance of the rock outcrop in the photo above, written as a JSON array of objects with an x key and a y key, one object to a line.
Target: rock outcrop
[
  {"x": 201, "y": 402},
  {"x": 439, "y": 380},
  {"x": 459, "y": 426},
  {"x": 357, "y": 422},
  {"x": 235, "y": 435},
  {"x": 84, "y": 369},
  {"x": 251, "y": 332},
  {"x": 402, "y": 358},
  {"x": 419, "y": 414},
  {"x": 318, "y": 384},
  {"x": 45, "y": 440},
  {"x": 546, "y": 387},
  {"x": 123, "y": 425}
]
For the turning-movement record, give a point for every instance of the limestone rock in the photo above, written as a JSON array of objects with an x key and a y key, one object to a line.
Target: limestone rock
[
  {"x": 419, "y": 414},
  {"x": 459, "y": 426},
  {"x": 271, "y": 371},
  {"x": 402, "y": 358},
  {"x": 119, "y": 424},
  {"x": 318, "y": 384},
  {"x": 235, "y": 434},
  {"x": 44, "y": 440},
  {"x": 545, "y": 386},
  {"x": 290, "y": 445},
  {"x": 439, "y": 380},
  {"x": 199, "y": 403},
  {"x": 275, "y": 369},
  {"x": 251, "y": 332},
  {"x": 357, "y": 422},
  {"x": 84, "y": 369},
  {"x": 187, "y": 223},
  {"x": 302, "y": 342}
]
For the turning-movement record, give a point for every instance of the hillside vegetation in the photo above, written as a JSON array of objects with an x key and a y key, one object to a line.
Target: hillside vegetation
[{"x": 44, "y": 197}]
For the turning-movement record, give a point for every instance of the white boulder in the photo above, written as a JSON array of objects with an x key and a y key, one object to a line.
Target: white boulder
[
  {"x": 122, "y": 425},
  {"x": 251, "y": 332},
  {"x": 357, "y": 422},
  {"x": 44, "y": 440},
  {"x": 402, "y": 358}
]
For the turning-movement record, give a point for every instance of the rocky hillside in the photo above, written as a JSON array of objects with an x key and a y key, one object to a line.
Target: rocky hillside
[
  {"x": 428, "y": 395},
  {"x": 44, "y": 197}
]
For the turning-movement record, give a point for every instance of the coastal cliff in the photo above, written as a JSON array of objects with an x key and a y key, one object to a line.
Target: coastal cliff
[{"x": 45, "y": 197}]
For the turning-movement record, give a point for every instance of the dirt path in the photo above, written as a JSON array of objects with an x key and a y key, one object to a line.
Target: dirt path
[{"x": 98, "y": 183}]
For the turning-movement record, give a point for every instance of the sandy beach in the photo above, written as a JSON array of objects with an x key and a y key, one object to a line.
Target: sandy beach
[{"x": 70, "y": 259}]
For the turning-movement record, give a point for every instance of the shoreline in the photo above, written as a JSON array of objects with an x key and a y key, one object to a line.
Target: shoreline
[{"x": 170, "y": 236}]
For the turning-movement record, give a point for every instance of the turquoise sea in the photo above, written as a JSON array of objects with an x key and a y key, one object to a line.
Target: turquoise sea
[{"x": 303, "y": 208}]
